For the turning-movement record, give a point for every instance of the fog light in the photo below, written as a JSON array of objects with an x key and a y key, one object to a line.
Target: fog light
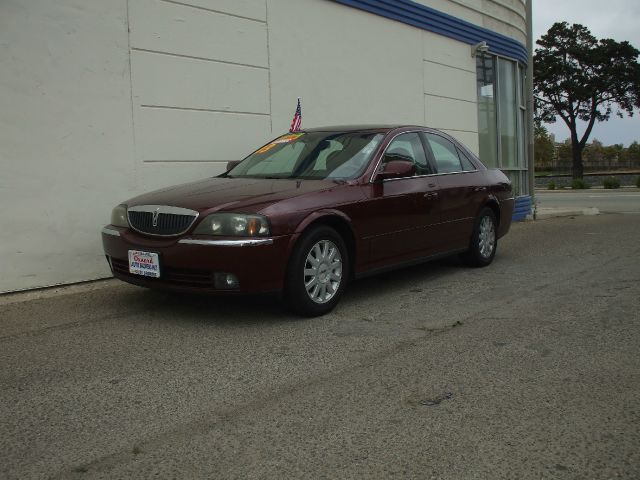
[{"x": 225, "y": 281}]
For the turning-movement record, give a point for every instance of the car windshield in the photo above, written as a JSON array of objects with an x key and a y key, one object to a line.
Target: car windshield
[{"x": 311, "y": 155}]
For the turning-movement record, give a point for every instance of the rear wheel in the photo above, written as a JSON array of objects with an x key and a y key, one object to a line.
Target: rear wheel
[
  {"x": 484, "y": 240},
  {"x": 317, "y": 273}
]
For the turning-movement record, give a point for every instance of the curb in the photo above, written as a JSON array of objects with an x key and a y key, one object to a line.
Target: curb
[{"x": 544, "y": 213}]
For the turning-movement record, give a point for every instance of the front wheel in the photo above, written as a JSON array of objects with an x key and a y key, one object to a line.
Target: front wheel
[
  {"x": 484, "y": 240},
  {"x": 317, "y": 273}
]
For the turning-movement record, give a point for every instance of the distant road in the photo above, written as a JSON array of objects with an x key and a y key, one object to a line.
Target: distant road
[{"x": 607, "y": 201}]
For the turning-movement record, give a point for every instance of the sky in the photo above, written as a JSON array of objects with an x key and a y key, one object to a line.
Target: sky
[{"x": 617, "y": 19}]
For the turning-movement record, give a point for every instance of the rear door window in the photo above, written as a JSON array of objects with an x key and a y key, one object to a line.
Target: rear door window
[
  {"x": 467, "y": 164},
  {"x": 445, "y": 154}
]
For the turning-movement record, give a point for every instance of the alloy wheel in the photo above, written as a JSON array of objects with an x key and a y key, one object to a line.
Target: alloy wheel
[
  {"x": 323, "y": 271},
  {"x": 486, "y": 237}
]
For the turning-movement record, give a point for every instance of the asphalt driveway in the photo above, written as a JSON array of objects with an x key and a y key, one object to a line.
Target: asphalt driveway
[{"x": 526, "y": 369}]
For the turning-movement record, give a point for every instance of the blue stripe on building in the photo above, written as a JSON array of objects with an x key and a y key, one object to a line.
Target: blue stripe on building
[
  {"x": 522, "y": 208},
  {"x": 427, "y": 18}
]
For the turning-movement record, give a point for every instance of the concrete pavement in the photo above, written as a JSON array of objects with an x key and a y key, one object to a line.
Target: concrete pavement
[{"x": 526, "y": 369}]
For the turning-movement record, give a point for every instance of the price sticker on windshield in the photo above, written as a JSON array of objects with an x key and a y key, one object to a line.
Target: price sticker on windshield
[
  {"x": 288, "y": 138},
  {"x": 266, "y": 148},
  {"x": 284, "y": 139}
]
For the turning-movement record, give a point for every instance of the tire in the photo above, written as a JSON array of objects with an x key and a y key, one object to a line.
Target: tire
[
  {"x": 321, "y": 244},
  {"x": 484, "y": 240}
]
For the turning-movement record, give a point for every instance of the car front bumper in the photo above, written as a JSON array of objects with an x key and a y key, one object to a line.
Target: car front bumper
[{"x": 190, "y": 263}]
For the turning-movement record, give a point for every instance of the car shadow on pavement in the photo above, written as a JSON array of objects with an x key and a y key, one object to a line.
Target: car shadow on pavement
[
  {"x": 402, "y": 280},
  {"x": 231, "y": 309},
  {"x": 256, "y": 309}
]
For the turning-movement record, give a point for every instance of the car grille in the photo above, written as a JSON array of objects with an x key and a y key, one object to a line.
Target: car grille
[
  {"x": 168, "y": 221},
  {"x": 181, "y": 277}
]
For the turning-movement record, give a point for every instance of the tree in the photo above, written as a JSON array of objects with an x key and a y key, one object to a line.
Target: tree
[
  {"x": 563, "y": 156},
  {"x": 577, "y": 77},
  {"x": 544, "y": 149},
  {"x": 631, "y": 155}
]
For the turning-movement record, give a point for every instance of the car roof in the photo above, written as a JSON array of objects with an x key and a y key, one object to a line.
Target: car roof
[{"x": 356, "y": 128}]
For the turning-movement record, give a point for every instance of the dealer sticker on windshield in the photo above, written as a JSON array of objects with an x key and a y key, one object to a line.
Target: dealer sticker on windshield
[
  {"x": 146, "y": 264},
  {"x": 291, "y": 137},
  {"x": 288, "y": 138}
]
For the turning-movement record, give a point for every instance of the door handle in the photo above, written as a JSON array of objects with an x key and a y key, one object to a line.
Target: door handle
[
  {"x": 480, "y": 189},
  {"x": 431, "y": 195}
]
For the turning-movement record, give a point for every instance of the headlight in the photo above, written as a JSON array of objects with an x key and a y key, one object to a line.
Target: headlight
[
  {"x": 119, "y": 216},
  {"x": 233, "y": 225}
]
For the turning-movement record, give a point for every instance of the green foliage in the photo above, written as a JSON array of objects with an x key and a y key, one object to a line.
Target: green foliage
[
  {"x": 638, "y": 182},
  {"x": 552, "y": 185},
  {"x": 578, "y": 77},
  {"x": 634, "y": 149},
  {"x": 611, "y": 182},
  {"x": 544, "y": 149},
  {"x": 564, "y": 156},
  {"x": 579, "y": 184}
]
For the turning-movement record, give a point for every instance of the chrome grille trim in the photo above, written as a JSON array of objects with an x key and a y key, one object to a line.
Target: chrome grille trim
[
  {"x": 247, "y": 242},
  {"x": 170, "y": 221}
]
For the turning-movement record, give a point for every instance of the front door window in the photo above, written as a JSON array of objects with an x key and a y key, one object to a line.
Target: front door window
[{"x": 408, "y": 147}]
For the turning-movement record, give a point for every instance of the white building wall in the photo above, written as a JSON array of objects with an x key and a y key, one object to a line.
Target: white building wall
[
  {"x": 66, "y": 143},
  {"x": 449, "y": 86},
  {"x": 102, "y": 100},
  {"x": 347, "y": 66},
  {"x": 200, "y": 80}
]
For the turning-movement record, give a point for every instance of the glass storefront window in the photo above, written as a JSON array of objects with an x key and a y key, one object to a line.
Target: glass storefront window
[
  {"x": 508, "y": 108},
  {"x": 487, "y": 129},
  {"x": 502, "y": 117}
]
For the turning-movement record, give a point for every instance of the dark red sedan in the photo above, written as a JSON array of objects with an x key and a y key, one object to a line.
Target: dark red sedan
[{"x": 311, "y": 209}]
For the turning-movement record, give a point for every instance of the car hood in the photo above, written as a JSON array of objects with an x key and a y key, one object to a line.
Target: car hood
[{"x": 231, "y": 194}]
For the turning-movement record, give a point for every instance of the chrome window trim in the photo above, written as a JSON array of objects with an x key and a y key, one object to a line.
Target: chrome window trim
[
  {"x": 110, "y": 231},
  {"x": 168, "y": 209},
  {"x": 429, "y": 175},
  {"x": 244, "y": 242}
]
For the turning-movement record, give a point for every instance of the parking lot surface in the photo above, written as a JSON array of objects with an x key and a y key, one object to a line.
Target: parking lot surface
[{"x": 528, "y": 368}]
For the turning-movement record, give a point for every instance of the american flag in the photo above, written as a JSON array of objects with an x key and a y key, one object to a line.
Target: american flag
[{"x": 297, "y": 119}]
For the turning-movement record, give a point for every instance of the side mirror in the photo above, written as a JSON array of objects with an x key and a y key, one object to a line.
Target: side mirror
[
  {"x": 232, "y": 164},
  {"x": 397, "y": 169}
]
